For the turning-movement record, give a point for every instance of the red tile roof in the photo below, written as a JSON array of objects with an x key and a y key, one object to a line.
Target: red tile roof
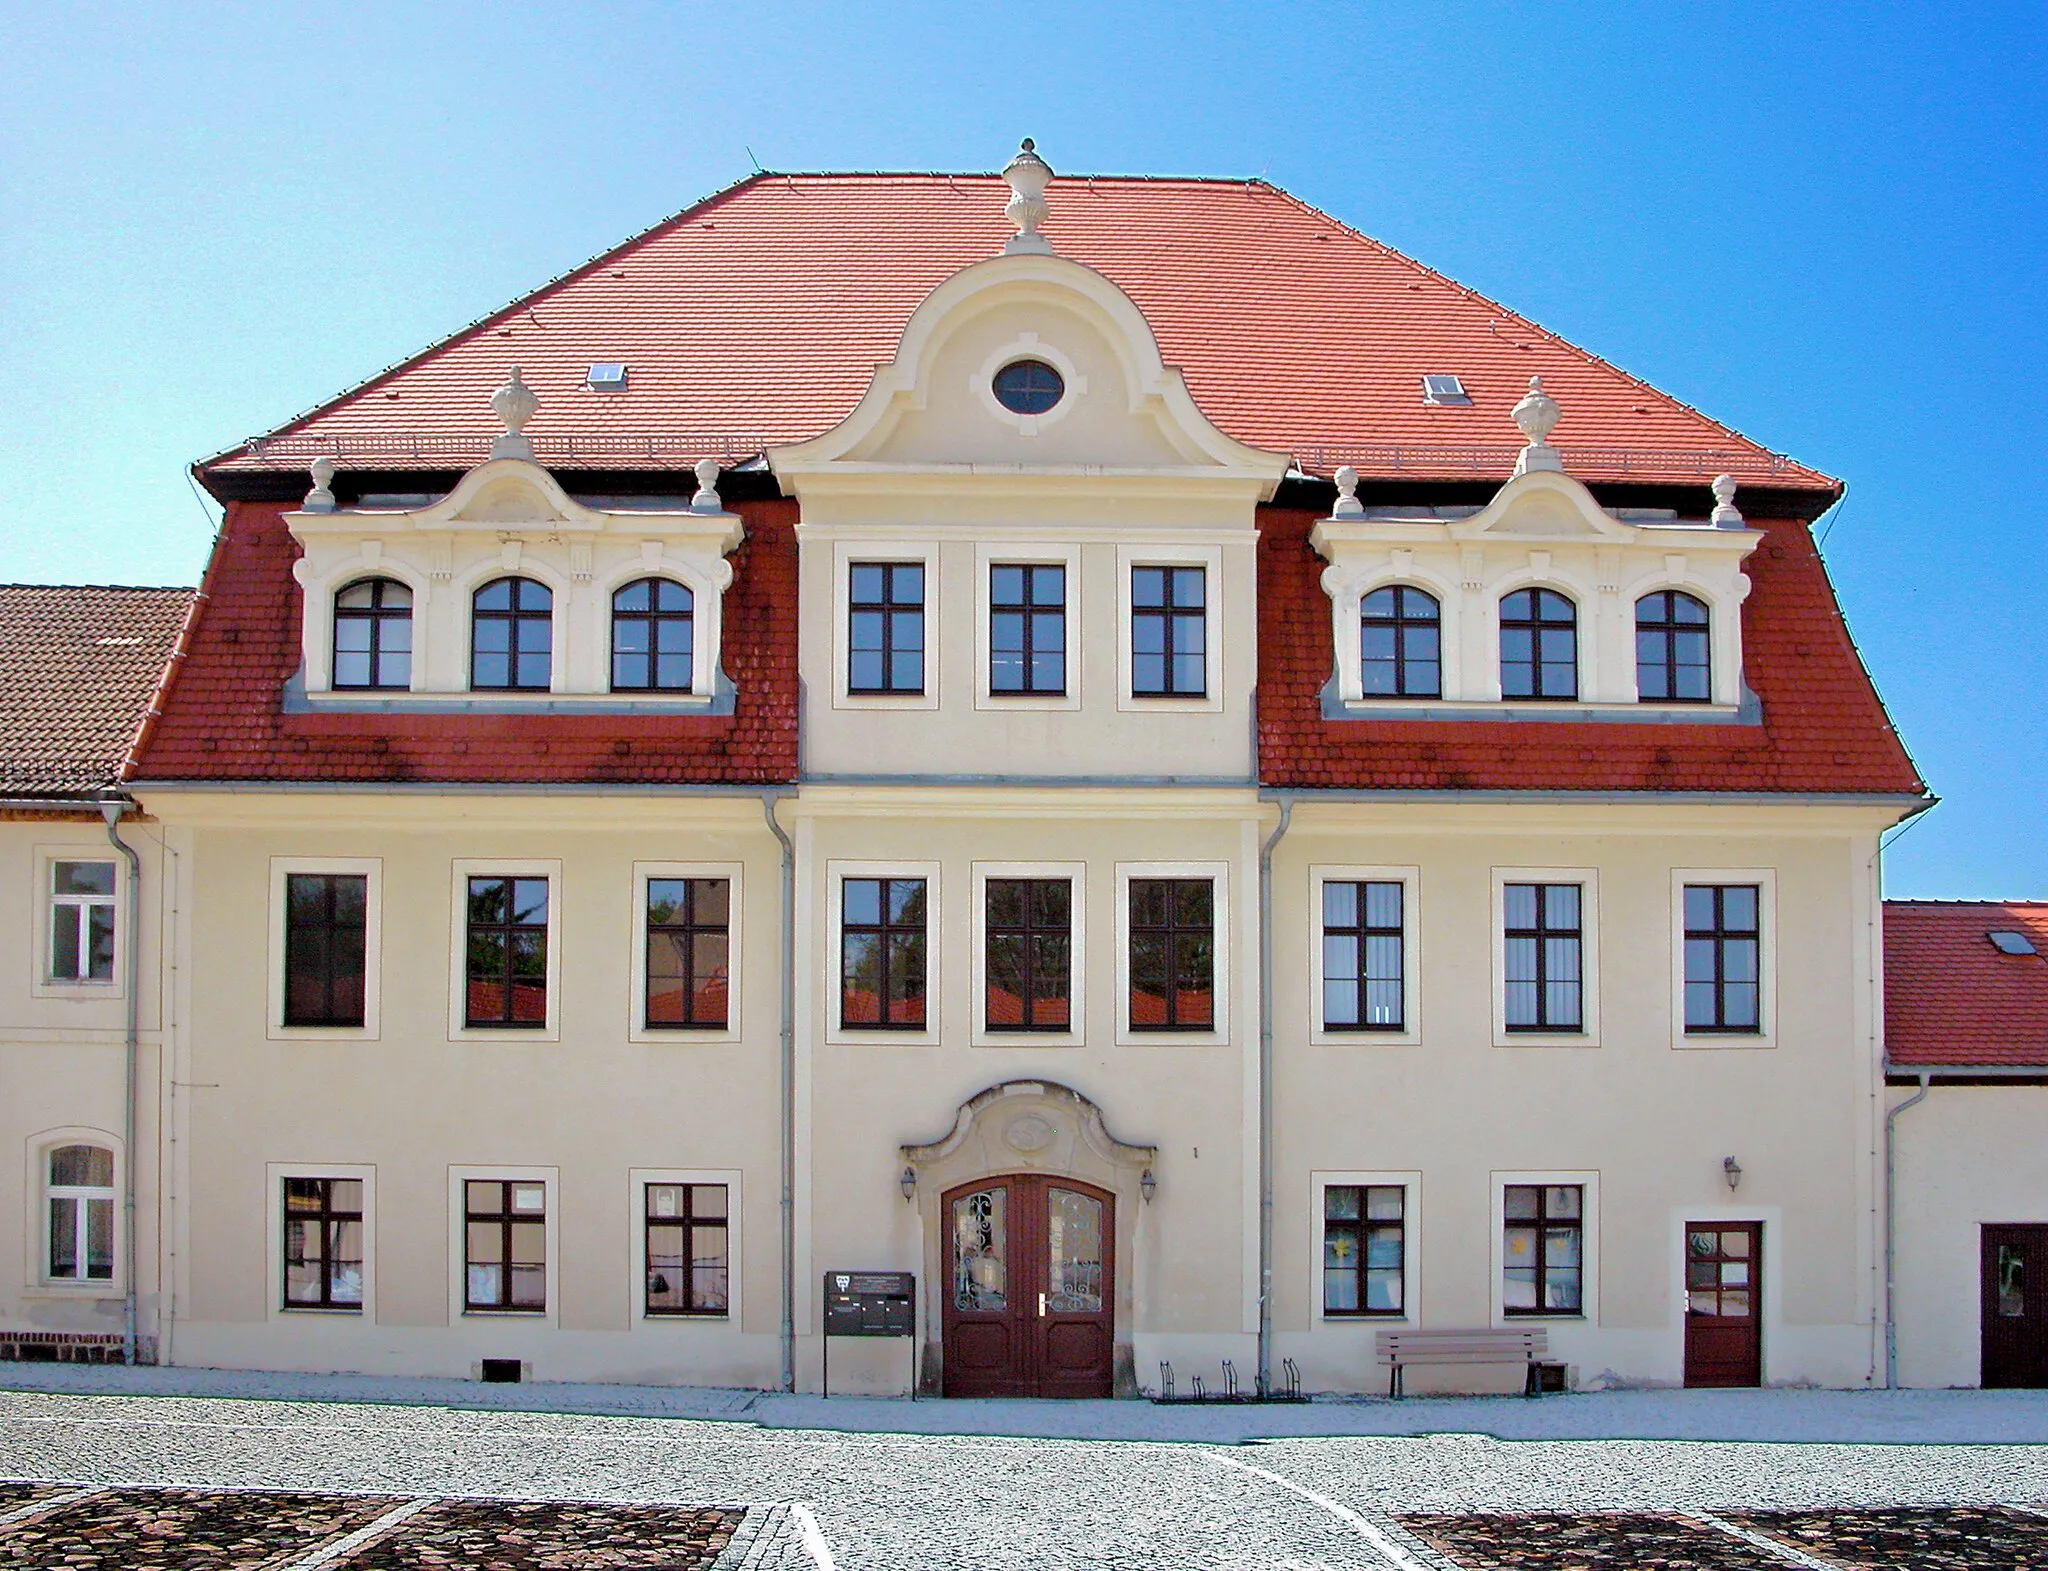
[
  {"x": 759, "y": 315},
  {"x": 225, "y": 719},
  {"x": 1824, "y": 729},
  {"x": 1950, "y": 996},
  {"x": 78, "y": 663}
]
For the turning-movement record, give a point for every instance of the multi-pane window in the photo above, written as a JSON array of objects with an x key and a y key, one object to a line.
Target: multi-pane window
[
  {"x": 1169, "y": 632},
  {"x": 373, "y": 634},
  {"x": 325, "y": 948},
  {"x": 1543, "y": 952},
  {"x": 81, "y": 921},
  {"x": 1364, "y": 1249},
  {"x": 1539, "y": 646},
  {"x": 1723, "y": 958},
  {"x": 511, "y": 638},
  {"x": 885, "y": 627},
  {"x": 508, "y": 953},
  {"x": 1672, "y": 648},
  {"x": 687, "y": 1250},
  {"x": 652, "y": 633},
  {"x": 1543, "y": 1249},
  {"x": 1400, "y": 644},
  {"x": 689, "y": 952},
  {"x": 1362, "y": 963},
  {"x": 505, "y": 1258},
  {"x": 1029, "y": 965},
  {"x": 882, "y": 953},
  {"x": 1027, "y": 629},
  {"x": 323, "y": 1243},
  {"x": 81, "y": 1198},
  {"x": 1173, "y": 954}
]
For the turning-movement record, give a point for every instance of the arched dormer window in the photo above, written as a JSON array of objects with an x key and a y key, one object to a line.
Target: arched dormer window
[
  {"x": 373, "y": 634},
  {"x": 1673, "y": 648},
  {"x": 1539, "y": 646},
  {"x": 1400, "y": 644},
  {"x": 511, "y": 635},
  {"x": 653, "y": 637},
  {"x": 80, "y": 1193}
]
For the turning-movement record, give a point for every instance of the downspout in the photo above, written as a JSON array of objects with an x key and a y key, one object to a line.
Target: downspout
[
  {"x": 1891, "y": 1230},
  {"x": 112, "y": 806},
  {"x": 1265, "y": 1377},
  {"x": 787, "y": 1086}
]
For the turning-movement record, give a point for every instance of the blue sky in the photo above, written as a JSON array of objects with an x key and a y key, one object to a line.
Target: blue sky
[{"x": 1823, "y": 225}]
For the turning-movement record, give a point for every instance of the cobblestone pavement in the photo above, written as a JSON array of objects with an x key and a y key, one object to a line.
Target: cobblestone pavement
[{"x": 863, "y": 1502}]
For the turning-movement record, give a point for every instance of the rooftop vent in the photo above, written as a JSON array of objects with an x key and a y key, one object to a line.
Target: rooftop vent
[
  {"x": 1444, "y": 390},
  {"x": 608, "y": 376},
  {"x": 2008, "y": 942}
]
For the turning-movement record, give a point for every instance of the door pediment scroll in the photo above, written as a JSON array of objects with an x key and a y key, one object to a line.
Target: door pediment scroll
[{"x": 1034, "y": 1126}]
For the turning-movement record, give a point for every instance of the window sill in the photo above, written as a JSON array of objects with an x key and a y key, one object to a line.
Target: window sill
[
  {"x": 1338, "y": 1317},
  {"x": 503, "y": 1034},
  {"x": 1723, "y": 1041},
  {"x": 1202, "y": 1038},
  {"x": 327, "y": 1311},
  {"x": 987, "y": 1038},
  {"x": 657, "y": 1317},
  {"x": 684, "y": 1036},
  {"x": 1169, "y": 704},
  {"x": 74, "y": 1292},
  {"x": 1322, "y": 1036},
  {"x": 911, "y": 701},
  {"x": 472, "y": 1313},
  {"x": 864, "y": 1036},
  {"x": 361, "y": 1033},
  {"x": 1338, "y": 706},
  {"x": 1042, "y": 703}
]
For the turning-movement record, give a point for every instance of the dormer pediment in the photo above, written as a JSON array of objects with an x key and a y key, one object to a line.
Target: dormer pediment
[{"x": 1543, "y": 505}]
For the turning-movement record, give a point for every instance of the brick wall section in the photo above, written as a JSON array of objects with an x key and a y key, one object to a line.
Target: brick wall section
[
  {"x": 1824, "y": 726},
  {"x": 224, "y": 717}
]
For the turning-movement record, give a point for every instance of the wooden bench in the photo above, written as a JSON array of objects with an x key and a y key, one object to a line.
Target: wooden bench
[{"x": 1397, "y": 1349}]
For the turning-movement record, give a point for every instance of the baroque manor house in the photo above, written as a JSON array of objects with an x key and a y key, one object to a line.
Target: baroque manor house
[{"x": 1134, "y": 754}]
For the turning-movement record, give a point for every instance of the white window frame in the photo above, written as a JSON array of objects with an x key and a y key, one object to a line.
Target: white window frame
[
  {"x": 1049, "y": 554},
  {"x": 42, "y": 954},
  {"x": 561, "y": 592},
  {"x": 1208, "y": 558},
  {"x": 637, "y": 1180},
  {"x": 459, "y": 1312},
  {"x": 275, "y": 1174},
  {"x": 1589, "y": 1246},
  {"x": 38, "y": 1282},
  {"x": 318, "y": 596},
  {"x": 1410, "y": 880},
  {"x": 1219, "y": 875},
  {"x": 637, "y": 1029},
  {"x": 707, "y": 626},
  {"x": 883, "y": 552},
  {"x": 1076, "y": 874},
  {"x": 1347, "y": 598},
  {"x": 1587, "y": 878},
  {"x": 1410, "y": 1182},
  {"x": 836, "y": 873},
  {"x": 1766, "y": 881},
  {"x": 1586, "y": 602},
  {"x": 464, "y": 869},
  {"x": 371, "y": 869},
  {"x": 1028, "y": 346}
]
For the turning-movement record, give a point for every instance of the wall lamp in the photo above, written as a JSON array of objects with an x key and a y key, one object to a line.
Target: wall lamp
[
  {"x": 908, "y": 1182},
  {"x": 1731, "y": 1170},
  {"x": 1148, "y": 1186}
]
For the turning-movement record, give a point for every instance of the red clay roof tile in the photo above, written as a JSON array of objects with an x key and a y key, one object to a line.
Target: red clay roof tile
[{"x": 1950, "y": 996}]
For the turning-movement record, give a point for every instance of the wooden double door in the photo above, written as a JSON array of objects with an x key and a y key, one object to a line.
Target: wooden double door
[
  {"x": 1724, "y": 1303},
  {"x": 2013, "y": 1287},
  {"x": 1030, "y": 1288}
]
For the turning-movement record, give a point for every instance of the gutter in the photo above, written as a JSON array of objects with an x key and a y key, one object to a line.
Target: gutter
[
  {"x": 1900, "y": 1073},
  {"x": 1891, "y": 1231},
  {"x": 786, "y": 1076},
  {"x": 1265, "y": 1364},
  {"x": 112, "y": 806}
]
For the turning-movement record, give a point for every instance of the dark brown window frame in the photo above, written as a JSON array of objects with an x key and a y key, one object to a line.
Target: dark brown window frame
[
  {"x": 655, "y": 618},
  {"x": 1362, "y": 1226},
  {"x": 1721, "y": 935},
  {"x": 1027, "y": 932},
  {"x": 1542, "y": 934},
  {"x": 520, "y": 620},
  {"x": 885, "y": 931},
  {"x": 1168, "y": 932},
  {"x": 378, "y": 616},
  {"x": 505, "y": 1218},
  {"x": 1171, "y": 615},
  {"x": 1544, "y": 1225},
  {"x": 1364, "y": 932},
  {"x": 329, "y": 1220},
  {"x": 689, "y": 930},
  {"x": 1667, "y": 627},
  {"x": 689, "y": 1224},
  {"x": 1535, "y": 624},
  {"x": 892, "y": 611},
  {"x": 334, "y": 927},
  {"x": 1403, "y": 622},
  {"x": 1027, "y": 611},
  {"x": 508, "y": 977}
]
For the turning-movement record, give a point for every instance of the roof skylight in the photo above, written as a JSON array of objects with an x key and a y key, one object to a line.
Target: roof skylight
[
  {"x": 1444, "y": 390},
  {"x": 608, "y": 376},
  {"x": 2009, "y": 942}
]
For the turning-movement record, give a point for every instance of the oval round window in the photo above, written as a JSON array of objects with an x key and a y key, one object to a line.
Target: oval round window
[{"x": 1028, "y": 387}]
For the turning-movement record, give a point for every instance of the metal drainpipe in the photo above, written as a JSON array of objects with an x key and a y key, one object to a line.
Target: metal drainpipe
[
  {"x": 112, "y": 806},
  {"x": 787, "y": 1057},
  {"x": 1265, "y": 1381},
  {"x": 1891, "y": 1230}
]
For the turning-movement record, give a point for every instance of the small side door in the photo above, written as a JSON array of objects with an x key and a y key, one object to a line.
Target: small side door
[
  {"x": 991, "y": 1309},
  {"x": 2014, "y": 1295},
  {"x": 1724, "y": 1287}
]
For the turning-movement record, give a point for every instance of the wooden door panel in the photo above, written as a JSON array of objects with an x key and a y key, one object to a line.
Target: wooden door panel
[
  {"x": 1724, "y": 1290},
  {"x": 1076, "y": 1241},
  {"x": 984, "y": 1325},
  {"x": 2014, "y": 1293}
]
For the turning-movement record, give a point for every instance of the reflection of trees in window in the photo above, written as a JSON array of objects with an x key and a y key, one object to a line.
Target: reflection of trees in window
[
  {"x": 508, "y": 952},
  {"x": 1173, "y": 954},
  {"x": 1029, "y": 964},
  {"x": 882, "y": 953},
  {"x": 1543, "y": 1249}
]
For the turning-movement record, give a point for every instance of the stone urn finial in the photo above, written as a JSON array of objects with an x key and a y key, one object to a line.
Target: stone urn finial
[
  {"x": 515, "y": 404},
  {"x": 1725, "y": 515},
  {"x": 1348, "y": 505},
  {"x": 321, "y": 498},
  {"x": 1536, "y": 414},
  {"x": 707, "y": 499},
  {"x": 1028, "y": 175}
]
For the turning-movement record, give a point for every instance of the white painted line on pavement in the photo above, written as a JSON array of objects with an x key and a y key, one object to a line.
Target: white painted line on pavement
[
  {"x": 36, "y": 1508},
  {"x": 1790, "y": 1554},
  {"x": 2033, "y": 1511},
  {"x": 1391, "y": 1552},
  {"x": 812, "y": 1537},
  {"x": 330, "y": 1553}
]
